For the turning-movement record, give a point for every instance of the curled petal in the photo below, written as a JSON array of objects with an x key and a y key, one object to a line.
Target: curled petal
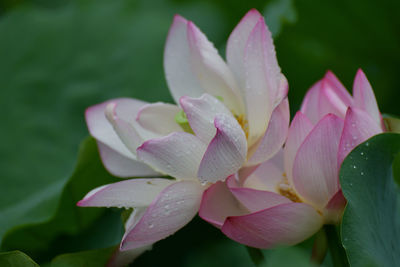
[
  {"x": 218, "y": 203},
  {"x": 358, "y": 127},
  {"x": 315, "y": 170},
  {"x": 274, "y": 137},
  {"x": 334, "y": 209},
  {"x": 159, "y": 118},
  {"x": 122, "y": 166},
  {"x": 284, "y": 224},
  {"x": 174, "y": 207},
  {"x": 364, "y": 97},
  {"x": 201, "y": 113},
  {"x": 178, "y": 154},
  {"x": 128, "y": 193},
  {"x": 226, "y": 153},
  {"x": 102, "y": 130}
]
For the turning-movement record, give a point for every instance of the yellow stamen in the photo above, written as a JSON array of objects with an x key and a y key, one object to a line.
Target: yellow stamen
[
  {"x": 243, "y": 123},
  {"x": 287, "y": 191}
]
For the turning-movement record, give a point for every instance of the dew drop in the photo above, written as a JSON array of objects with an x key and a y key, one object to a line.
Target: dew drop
[
  {"x": 367, "y": 144},
  {"x": 151, "y": 226},
  {"x": 354, "y": 167},
  {"x": 362, "y": 173},
  {"x": 362, "y": 153}
]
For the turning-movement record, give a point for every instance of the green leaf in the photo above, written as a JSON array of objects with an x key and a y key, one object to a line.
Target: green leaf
[
  {"x": 371, "y": 222},
  {"x": 16, "y": 259},
  {"x": 68, "y": 218},
  {"x": 92, "y": 258},
  {"x": 287, "y": 257}
]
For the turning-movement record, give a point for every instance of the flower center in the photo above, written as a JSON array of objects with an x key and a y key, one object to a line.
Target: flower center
[
  {"x": 243, "y": 123},
  {"x": 286, "y": 190}
]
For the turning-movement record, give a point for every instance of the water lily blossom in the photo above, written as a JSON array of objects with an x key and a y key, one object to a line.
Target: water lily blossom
[
  {"x": 288, "y": 198},
  {"x": 228, "y": 115}
]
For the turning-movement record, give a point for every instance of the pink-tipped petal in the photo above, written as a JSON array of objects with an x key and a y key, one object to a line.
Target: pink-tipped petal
[
  {"x": 358, "y": 127},
  {"x": 329, "y": 101},
  {"x": 102, "y": 130},
  {"x": 159, "y": 118},
  {"x": 267, "y": 176},
  {"x": 284, "y": 224},
  {"x": 201, "y": 113},
  {"x": 299, "y": 129},
  {"x": 218, "y": 203},
  {"x": 310, "y": 105},
  {"x": 211, "y": 70},
  {"x": 128, "y": 193},
  {"x": 315, "y": 170},
  {"x": 274, "y": 137},
  {"x": 263, "y": 80},
  {"x": 256, "y": 200},
  {"x": 334, "y": 209},
  {"x": 364, "y": 97},
  {"x": 122, "y": 166},
  {"x": 174, "y": 207},
  {"x": 226, "y": 153},
  {"x": 237, "y": 43},
  {"x": 178, "y": 64},
  {"x": 178, "y": 154},
  {"x": 338, "y": 88}
]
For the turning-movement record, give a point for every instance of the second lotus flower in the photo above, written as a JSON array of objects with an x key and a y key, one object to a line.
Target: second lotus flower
[
  {"x": 229, "y": 115},
  {"x": 288, "y": 198}
]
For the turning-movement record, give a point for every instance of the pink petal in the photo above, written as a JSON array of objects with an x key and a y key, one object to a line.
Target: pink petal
[
  {"x": 178, "y": 154},
  {"x": 226, "y": 153},
  {"x": 128, "y": 193},
  {"x": 334, "y": 209},
  {"x": 211, "y": 70},
  {"x": 263, "y": 80},
  {"x": 364, "y": 97},
  {"x": 284, "y": 224},
  {"x": 174, "y": 207},
  {"x": 201, "y": 113},
  {"x": 256, "y": 200},
  {"x": 310, "y": 105},
  {"x": 218, "y": 203},
  {"x": 358, "y": 127},
  {"x": 315, "y": 171},
  {"x": 330, "y": 102},
  {"x": 274, "y": 137},
  {"x": 237, "y": 43},
  {"x": 298, "y": 131},
  {"x": 102, "y": 130},
  {"x": 338, "y": 88},
  {"x": 177, "y": 62},
  {"x": 267, "y": 176},
  {"x": 122, "y": 166},
  {"x": 159, "y": 118}
]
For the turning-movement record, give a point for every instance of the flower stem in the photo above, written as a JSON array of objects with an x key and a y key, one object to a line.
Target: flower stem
[
  {"x": 338, "y": 254},
  {"x": 256, "y": 255},
  {"x": 320, "y": 248}
]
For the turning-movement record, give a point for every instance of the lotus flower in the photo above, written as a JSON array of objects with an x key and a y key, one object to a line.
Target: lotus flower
[
  {"x": 288, "y": 198},
  {"x": 229, "y": 115}
]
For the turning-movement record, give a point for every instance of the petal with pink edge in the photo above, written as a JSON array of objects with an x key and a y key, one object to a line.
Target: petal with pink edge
[
  {"x": 315, "y": 170},
  {"x": 218, "y": 203},
  {"x": 334, "y": 209},
  {"x": 178, "y": 154},
  {"x": 237, "y": 43},
  {"x": 177, "y": 62},
  {"x": 159, "y": 118},
  {"x": 274, "y": 137},
  {"x": 364, "y": 97},
  {"x": 284, "y": 224},
  {"x": 211, "y": 70},
  {"x": 263, "y": 79},
  {"x": 226, "y": 153},
  {"x": 358, "y": 127},
  {"x": 102, "y": 130},
  {"x": 310, "y": 105},
  {"x": 256, "y": 200},
  {"x": 329, "y": 101},
  {"x": 128, "y": 193},
  {"x": 299, "y": 129},
  {"x": 122, "y": 166},
  {"x": 267, "y": 176},
  {"x": 201, "y": 113},
  {"x": 338, "y": 88},
  {"x": 174, "y": 207}
]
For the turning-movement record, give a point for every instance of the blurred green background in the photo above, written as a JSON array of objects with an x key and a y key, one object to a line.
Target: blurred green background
[{"x": 59, "y": 57}]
